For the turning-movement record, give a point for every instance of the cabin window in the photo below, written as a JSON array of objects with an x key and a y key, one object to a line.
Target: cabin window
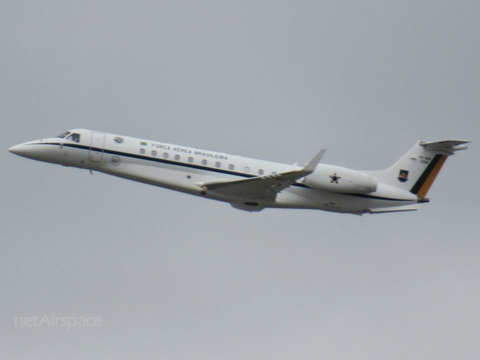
[
  {"x": 165, "y": 155},
  {"x": 260, "y": 172},
  {"x": 142, "y": 151},
  {"x": 177, "y": 157},
  {"x": 218, "y": 164},
  {"x": 154, "y": 153},
  {"x": 204, "y": 162},
  {"x": 246, "y": 169},
  {"x": 231, "y": 167},
  {"x": 190, "y": 159},
  {"x": 274, "y": 173}
]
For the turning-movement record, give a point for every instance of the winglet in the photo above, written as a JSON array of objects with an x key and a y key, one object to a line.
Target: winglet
[{"x": 310, "y": 167}]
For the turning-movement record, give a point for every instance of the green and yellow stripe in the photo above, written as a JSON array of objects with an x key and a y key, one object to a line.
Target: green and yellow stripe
[{"x": 425, "y": 181}]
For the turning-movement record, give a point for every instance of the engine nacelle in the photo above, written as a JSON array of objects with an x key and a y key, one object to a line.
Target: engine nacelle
[{"x": 341, "y": 180}]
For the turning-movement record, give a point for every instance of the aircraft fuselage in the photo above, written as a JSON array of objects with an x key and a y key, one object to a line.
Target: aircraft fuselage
[{"x": 193, "y": 171}]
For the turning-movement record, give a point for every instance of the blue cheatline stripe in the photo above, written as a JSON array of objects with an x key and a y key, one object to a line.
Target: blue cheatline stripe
[{"x": 148, "y": 158}]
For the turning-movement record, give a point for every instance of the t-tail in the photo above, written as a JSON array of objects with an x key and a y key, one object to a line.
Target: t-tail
[{"x": 417, "y": 169}]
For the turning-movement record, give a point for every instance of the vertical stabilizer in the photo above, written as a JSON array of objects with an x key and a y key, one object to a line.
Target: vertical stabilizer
[{"x": 417, "y": 169}]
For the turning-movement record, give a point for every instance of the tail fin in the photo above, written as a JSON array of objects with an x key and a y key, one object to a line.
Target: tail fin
[{"x": 417, "y": 169}]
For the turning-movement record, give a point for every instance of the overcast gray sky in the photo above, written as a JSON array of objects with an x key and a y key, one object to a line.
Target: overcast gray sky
[{"x": 177, "y": 277}]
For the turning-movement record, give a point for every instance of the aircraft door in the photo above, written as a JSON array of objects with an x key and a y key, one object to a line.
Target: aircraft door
[{"x": 96, "y": 147}]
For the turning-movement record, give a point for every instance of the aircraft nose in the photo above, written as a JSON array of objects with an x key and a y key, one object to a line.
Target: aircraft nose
[
  {"x": 18, "y": 149},
  {"x": 27, "y": 150},
  {"x": 35, "y": 151}
]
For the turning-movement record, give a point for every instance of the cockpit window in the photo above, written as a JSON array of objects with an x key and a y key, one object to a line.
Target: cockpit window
[
  {"x": 74, "y": 137},
  {"x": 64, "y": 135}
]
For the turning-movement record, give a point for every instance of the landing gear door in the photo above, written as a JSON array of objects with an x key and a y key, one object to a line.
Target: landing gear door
[{"x": 96, "y": 147}]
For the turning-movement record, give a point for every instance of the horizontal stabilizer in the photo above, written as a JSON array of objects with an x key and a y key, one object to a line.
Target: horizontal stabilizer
[
  {"x": 447, "y": 146},
  {"x": 392, "y": 209}
]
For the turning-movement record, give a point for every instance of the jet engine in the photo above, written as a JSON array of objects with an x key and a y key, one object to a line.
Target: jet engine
[{"x": 340, "y": 180}]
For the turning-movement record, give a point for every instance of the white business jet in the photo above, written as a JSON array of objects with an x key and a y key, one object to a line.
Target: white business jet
[{"x": 250, "y": 184}]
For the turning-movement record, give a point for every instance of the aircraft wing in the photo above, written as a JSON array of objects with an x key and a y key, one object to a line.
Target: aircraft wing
[{"x": 264, "y": 187}]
